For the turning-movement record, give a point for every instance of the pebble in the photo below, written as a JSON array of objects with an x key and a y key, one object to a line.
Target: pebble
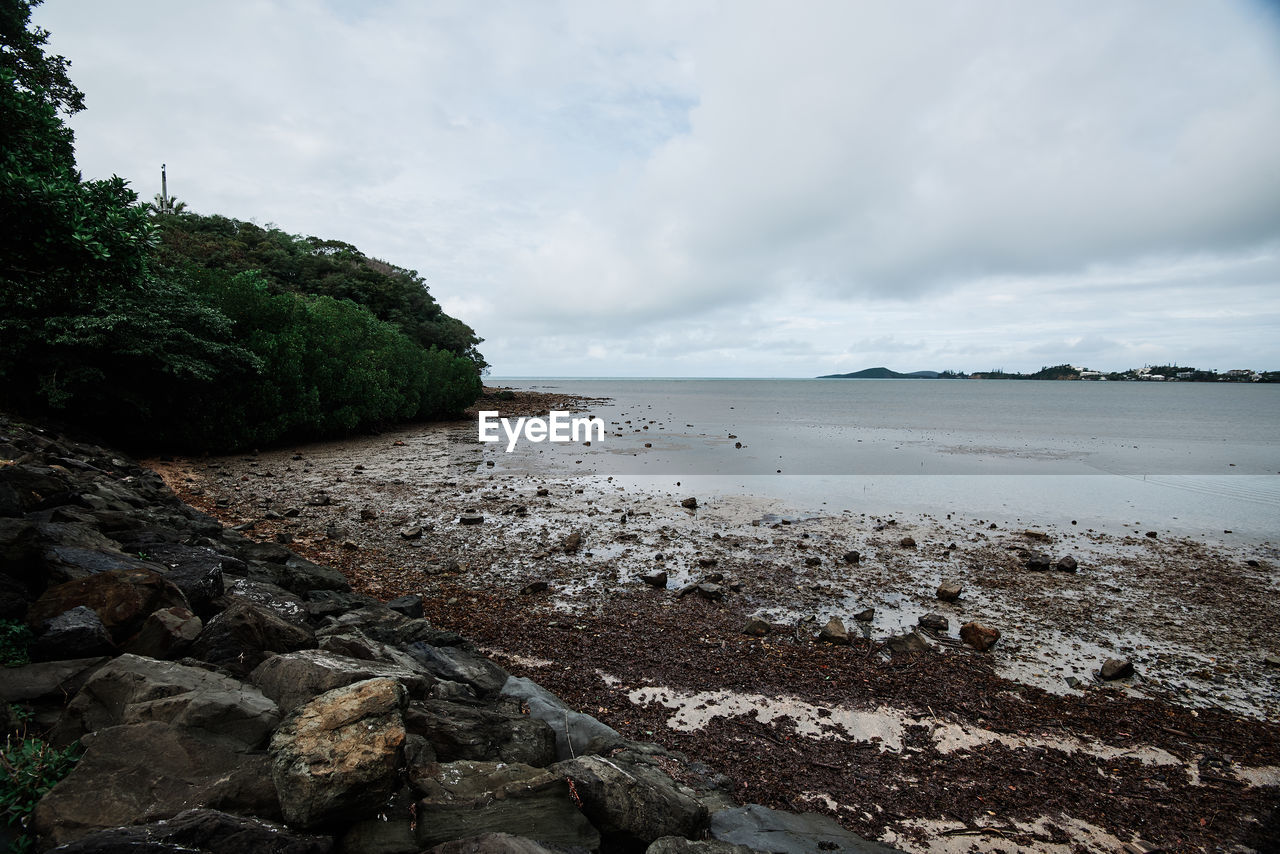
[{"x": 949, "y": 591}]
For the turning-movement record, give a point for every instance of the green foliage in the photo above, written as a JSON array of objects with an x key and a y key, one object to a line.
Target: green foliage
[
  {"x": 30, "y": 768},
  {"x": 15, "y": 638}
]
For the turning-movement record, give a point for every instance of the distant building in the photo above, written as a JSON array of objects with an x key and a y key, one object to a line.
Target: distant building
[{"x": 1092, "y": 375}]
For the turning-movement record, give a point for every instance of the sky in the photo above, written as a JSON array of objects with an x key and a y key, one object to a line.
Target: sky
[{"x": 724, "y": 189}]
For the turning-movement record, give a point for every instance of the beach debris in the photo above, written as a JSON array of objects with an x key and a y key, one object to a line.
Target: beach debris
[
  {"x": 1039, "y": 562},
  {"x": 949, "y": 590},
  {"x": 689, "y": 504},
  {"x": 1036, "y": 535},
  {"x": 534, "y": 587},
  {"x": 471, "y": 519},
  {"x": 907, "y": 542},
  {"x": 978, "y": 636},
  {"x": 1067, "y": 563},
  {"x": 909, "y": 642},
  {"x": 852, "y": 557},
  {"x": 934, "y": 622},
  {"x": 572, "y": 543},
  {"x": 1116, "y": 668},
  {"x": 866, "y": 615},
  {"x": 657, "y": 578},
  {"x": 756, "y": 627},
  {"x": 834, "y": 632}
]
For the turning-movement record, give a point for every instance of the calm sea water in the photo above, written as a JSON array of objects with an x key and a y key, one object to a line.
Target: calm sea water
[{"x": 1193, "y": 458}]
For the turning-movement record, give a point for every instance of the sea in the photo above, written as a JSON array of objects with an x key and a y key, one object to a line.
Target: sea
[{"x": 1193, "y": 459}]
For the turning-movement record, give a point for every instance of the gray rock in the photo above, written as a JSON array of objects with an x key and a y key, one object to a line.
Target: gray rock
[
  {"x": 909, "y": 642},
  {"x": 196, "y": 570},
  {"x": 632, "y": 803},
  {"x": 410, "y": 605},
  {"x": 756, "y": 627},
  {"x": 657, "y": 578},
  {"x": 49, "y": 680},
  {"x": 141, "y": 773},
  {"x": 852, "y": 557},
  {"x": 934, "y": 623},
  {"x": 287, "y": 606},
  {"x": 1116, "y": 668},
  {"x": 779, "y": 832},
  {"x": 1067, "y": 563},
  {"x": 459, "y": 665},
  {"x": 245, "y": 635},
  {"x": 471, "y": 519},
  {"x": 294, "y": 678},
  {"x": 949, "y": 590},
  {"x": 302, "y": 576},
  {"x": 320, "y": 604},
  {"x": 680, "y": 845},
  {"x": 574, "y": 731},
  {"x": 493, "y": 843},
  {"x": 866, "y": 615},
  {"x": 77, "y": 633},
  {"x": 834, "y": 632},
  {"x": 376, "y": 836},
  {"x": 710, "y": 591},
  {"x": 336, "y": 757},
  {"x": 467, "y": 799},
  {"x": 200, "y": 830},
  {"x": 483, "y": 733},
  {"x": 167, "y": 633},
  {"x": 122, "y": 599},
  {"x": 132, "y": 689},
  {"x": 1039, "y": 562}
]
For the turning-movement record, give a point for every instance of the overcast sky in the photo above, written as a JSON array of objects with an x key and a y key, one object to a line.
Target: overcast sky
[{"x": 737, "y": 188}]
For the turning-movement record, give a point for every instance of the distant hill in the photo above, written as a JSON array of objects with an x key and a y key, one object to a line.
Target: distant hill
[{"x": 882, "y": 374}]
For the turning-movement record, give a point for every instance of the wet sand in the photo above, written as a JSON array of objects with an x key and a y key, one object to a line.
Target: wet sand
[{"x": 944, "y": 750}]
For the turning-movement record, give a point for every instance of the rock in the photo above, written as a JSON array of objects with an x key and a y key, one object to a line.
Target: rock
[
  {"x": 680, "y": 845},
  {"x": 1152, "y": 534},
  {"x": 978, "y": 636},
  {"x": 382, "y": 835},
  {"x": 77, "y": 633},
  {"x": 1067, "y": 563},
  {"x": 200, "y": 830},
  {"x": 909, "y": 642},
  {"x": 287, "y": 606},
  {"x": 1038, "y": 562},
  {"x": 949, "y": 590},
  {"x": 410, "y": 605},
  {"x": 122, "y": 599},
  {"x": 302, "y": 576},
  {"x": 813, "y": 560},
  {"x": 320, "y": 604},
  {"x": 852, "y": 557},
  {"x": 1271, "y": 660},
  {"x": 689, "y": 504},
  {"x": 471, "y": 519},
  {"x": 459, "y": 665},
  {"x": 631, "y": 803},
  {"x": 764, "y": 829},
  {"x": 1036, "y": 535},
  {"x": 543, "y": 492},
  {"x": 907, "y": 542},
  {"x": 196, "y": 571},
  {"x": 295, "y": 678},
  {"x": 866, "y": 615},
  {"x": 140, "y": 773},
  {"x": 1116, "y": 668},
  {"x": 244, "y": 635},
  {"x": 412, "y": 532},
  {"x": 467, "y": 799},
  {"x": 658, "y": 578},
  {"x": 572, "y": 543},
  {"x": 711, "y": 592},
  {"x": 336, "y": 757},
  {"x": 167, "y": 633},
  {"x": 534, "y": 587},
  {"x": 934, "y": 623},
  {"x": 492, "y": 843},
  {"x": 574, "y": 731},
  {"x": 482, "y": 733},
  {"x": 132, "y": 689},
  {"x": 756, "y": 627},
  {"x": 834, "y": 632},
  {"x": 1073, "y": 682}
]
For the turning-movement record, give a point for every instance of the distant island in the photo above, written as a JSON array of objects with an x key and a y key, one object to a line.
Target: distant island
[{"x": 1149, "y": 373}]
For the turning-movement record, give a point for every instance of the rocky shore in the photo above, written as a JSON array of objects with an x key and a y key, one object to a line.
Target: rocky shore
[{"x": 230, "y": 694}]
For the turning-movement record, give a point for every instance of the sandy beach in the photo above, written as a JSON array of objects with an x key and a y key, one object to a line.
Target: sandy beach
[{"x": 1022, "y": 747}]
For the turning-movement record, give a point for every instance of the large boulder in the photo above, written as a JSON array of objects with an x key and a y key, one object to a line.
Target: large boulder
[
  {"x": 466, "y": 799},
  {"x": 196, "y": 570},
  {"x": 246, "y": 634},
  {"x": 139, "y": 773},
  {"x": 166, "y": 633},
  {"x": 200, "y": 830},
  {"x": 122, "y": 599},
  {"x": 680, "y": 845},
  {"x": 576, "y": 733},
  {"x": 336, "y": 757},
  {"x": 471, "y": 731},
  {"x": 43, "y": 688},
  {"x": 632, "y": 803},
  {"x": 77, "y": 633},
  {"x": 460, "y": 665},
  {"x": 297, "y": 677},
  {"x": 132, "y": 689},
  {"x": 780, "y": 832},
  {"x": 492, "y": 843}
]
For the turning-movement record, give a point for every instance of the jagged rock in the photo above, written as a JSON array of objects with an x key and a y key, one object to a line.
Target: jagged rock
[
  {"x": 572, "y": 543},
  {"x": 950, "y": 590},
  {"x": 1067, "y": 563},
  {"x": 689, "y": 504},
  {"x": 493, "y": 843},
  {"x": 866, "y": 615},
  {"x": 47, "y": 681},
  {"x": 909, "y": 642},
  {"x": 934, "y": 623},
  {"x": 1038, "y": 562},
  {"x": 978, "y": 636},
  {"x": 574, "y": 731},
  {"x": 459, "y": 665},
  {"x": 756, "y": 627},
  {"x": 122, "y": 599},
  {"x": 813, "y": 560},
  {"x": 294, "y": 678},
  {"x": 852, "y": 557},
  {"x": 411, "y": 532},
  {"x": 534, "y": 587},
  {"x": 680, "y": 845},
  {"x": 410, "y": 605},
  {"x": 1041, "y": 536},
  {"x": 77, "y": 633},
  {"x": 907, "y": 542},
  {"x": 710, "y": 591},
  {"x": 167, "y": 633},
  {"x": 336, "y": 757},
  {"x": 244, "y": 635},
  {"x": 196, "y": 571},
  {"x": 302, "y": 576},
  {"x": 834, "y": 632},
  {"x": 132, "y": 689},
  {"x": 632, "y": 803},
  {"x": 1116, "y": 668},
  {"x": 466, "y": 799},
  {"x": 657, "y": 578},
  {"x": 482, "y": 733},
  {"x": 333, "y": 603},
  {"x": 139, "y": 773},
  {"x": 765, "y": 829},
  {"x": 204, "y": 831},
  {"x": 380, "y": 836},
  {"x": 471, "y": 519}
]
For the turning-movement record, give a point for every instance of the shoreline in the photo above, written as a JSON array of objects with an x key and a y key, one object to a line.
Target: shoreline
[{"x": 796, "y": 719}]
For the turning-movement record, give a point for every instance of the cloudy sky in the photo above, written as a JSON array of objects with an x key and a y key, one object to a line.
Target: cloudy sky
[{"x": 737, "y": 188}]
